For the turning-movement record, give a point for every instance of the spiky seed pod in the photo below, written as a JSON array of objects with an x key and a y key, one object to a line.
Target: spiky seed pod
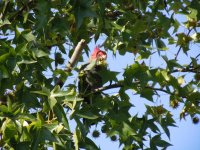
[
  {"x": 113, "y": 138},
  {"x": 195, "y": 120},
  {"x": 95, "y": 134}
]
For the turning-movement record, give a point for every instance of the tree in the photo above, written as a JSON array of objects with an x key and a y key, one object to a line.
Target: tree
[{"x": 35, "y": 109}]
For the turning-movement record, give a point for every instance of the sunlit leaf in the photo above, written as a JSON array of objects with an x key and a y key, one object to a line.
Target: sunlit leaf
[
  {"x": 28, "y": 36},
  {"x": 40, "y": 53},
  {"x": 87, "y": 114},
  {"x": 181, "y": 80},
  {"x": 127, "y": 129},
  {"x": 27, "y": 62},
  {"x": 75, "y": 139},
  {"x": 61, "y": 115},
  {"x": 4, "y": 71},
  {"x": 4, "y": 57}
]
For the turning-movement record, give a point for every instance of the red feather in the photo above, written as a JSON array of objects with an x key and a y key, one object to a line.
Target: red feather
[{"x": 98, "y": 53}]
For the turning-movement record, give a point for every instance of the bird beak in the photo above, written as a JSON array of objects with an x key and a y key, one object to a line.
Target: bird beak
[{"x": 102, "y": 62}]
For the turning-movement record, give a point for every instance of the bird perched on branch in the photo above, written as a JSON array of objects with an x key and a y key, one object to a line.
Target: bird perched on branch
[{"x": 89, "y": 75}]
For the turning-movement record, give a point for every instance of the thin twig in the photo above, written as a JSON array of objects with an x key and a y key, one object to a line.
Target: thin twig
[
  {"x": 194, "y": 70},
  {"x": 158, "y": 89},
  {"x": 120, "y": 84},
  {"x": 116, "y": 85},
  {"x": 195, "y": 58}
]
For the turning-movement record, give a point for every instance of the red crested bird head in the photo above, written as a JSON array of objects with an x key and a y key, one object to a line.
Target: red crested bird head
[{"x": 98, "y": 55}]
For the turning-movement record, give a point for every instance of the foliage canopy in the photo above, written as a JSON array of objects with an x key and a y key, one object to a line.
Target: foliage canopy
[{"x": 36, "y": 114}]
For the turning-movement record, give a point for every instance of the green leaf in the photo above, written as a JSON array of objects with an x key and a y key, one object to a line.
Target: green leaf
[
  {"x": 165, "y": 75},
  {"x": 130, "y": 72},
  {"x": 45, "y": 91},
  {"x": 156, "y": 141},
  {"x": 21, "y": 48},
  {"x": 36, "y": 141},
  {"x": 41, "y": 134},
  {"x": 162, "y": 143},
  {"x": 183, "y": 40},
  {"x": 193, "y": 97},
  {"x": 4, "y": 108},
  {"x": 76, "y": 139},
  {"x": 61, "y": 115},
  {"x": 47, "y": 135},
  {"x": 127, "y": 129},
  {"x": 181, "y": 80},
  {"x": 160, "y": 45},
  {"x": 40, "y": 93},
  {"x": 4, "y": 72},
  {"x": 108, "y": 75},
  {"x": 82, "y": 128},
  {"x": 4, "y": 22},
  {"x": 147, "y": 93},
  {"x": 152, "y": 125},
  {"x": 11, "y": 63},
  {"x": 28, "y": 35},
  {"x": 27, "y": 117},
  {"x": 22, "y": 146},
  {"x": 40, "y": 53},
  {"x": 172, "y": 63},
  {"x": 4, "y": 57},
  {"x": 83, "y": 10},
  {"x": 27, "y": 62},
  {"x": 71, "y": 98},
  {"x": 90, "y": 144},
  {"x": 9, "y": 129},
  {"x": 86, "y": 114},
  {"x": 56, "y": 92},
  {"x": 176, "y": 26},
  {"x": 60, "y": 94},
  {"x": 52, "y": 101},
  {"x": 139, "y": 26},
  {"x": 195, "y": 5}
]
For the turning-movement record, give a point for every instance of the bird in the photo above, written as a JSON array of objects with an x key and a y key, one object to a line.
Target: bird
[{"x": 90, "y": 77}]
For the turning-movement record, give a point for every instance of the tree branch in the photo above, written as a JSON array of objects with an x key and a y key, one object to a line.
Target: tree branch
[
  {"x": 75, "y": 56},
  {"x": 187, "y": 69},
  {"x": 116, "y": 85},
  {"x": 73, "y": 60},
  {"x": 158, "y": 89},
  {"x": 120, "y": 84}
]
